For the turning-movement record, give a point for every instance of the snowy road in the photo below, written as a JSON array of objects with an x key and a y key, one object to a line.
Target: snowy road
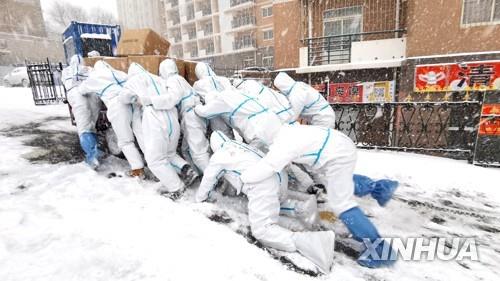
[{"x": 60, "y": 220}]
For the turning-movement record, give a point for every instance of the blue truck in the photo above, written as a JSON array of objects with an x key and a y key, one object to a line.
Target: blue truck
[{"x": 82, "y": 38}]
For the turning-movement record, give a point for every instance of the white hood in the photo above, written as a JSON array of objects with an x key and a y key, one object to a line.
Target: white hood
[
  {"x": 252, "y": 87},
  {"x": 284, "y": 82},
  {"x": 135, "y": 69},
  {"x": 203, "y": 70},
  {"x": 217, "y": 140},
  {"x": 168, "y": 68},
  {"x": 77, "y": 67},
  {"x": 237, "y": 83}
]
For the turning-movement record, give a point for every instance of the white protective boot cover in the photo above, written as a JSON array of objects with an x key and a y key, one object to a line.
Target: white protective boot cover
[{"x": 318, "y": 247}]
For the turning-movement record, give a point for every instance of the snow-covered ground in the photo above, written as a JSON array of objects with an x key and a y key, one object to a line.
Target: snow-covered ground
[{"x": 66, "y": 222}]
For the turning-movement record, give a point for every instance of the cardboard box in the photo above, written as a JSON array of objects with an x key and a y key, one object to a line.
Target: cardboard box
[
  {"x": 91, "y": 61},
  {"x": 140, "y": 42},
  {"x": 150, "y": 63},
  {"x": 181, "y": 67},
  {"x": 190, "y": 71},
  {"x": 118, "y": 63}
]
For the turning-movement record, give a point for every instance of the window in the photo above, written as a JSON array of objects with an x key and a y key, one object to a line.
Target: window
[
  {"x": 248, "y": 61},
  {"x": 268, "y": 61},
  {"x": 268, "y": 34},
  {"x": 480, "y": 11},
  {"x": 267, "y": 11},
  {"x": 343, "y": 21}
]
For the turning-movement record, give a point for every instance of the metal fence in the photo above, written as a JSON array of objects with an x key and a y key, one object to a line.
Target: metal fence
[
  {"x": 45, "y": 82},
  {"x": 437, "y": 128},
  {"x": 337, "y": 49}
]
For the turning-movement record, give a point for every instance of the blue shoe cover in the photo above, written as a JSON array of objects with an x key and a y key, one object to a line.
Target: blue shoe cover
[
  {"x": 88, "y": 142},
  {"x": 362, "y": 185},
  {"x": 383, "y": 191},
  {"x": 361, "y": 228}
]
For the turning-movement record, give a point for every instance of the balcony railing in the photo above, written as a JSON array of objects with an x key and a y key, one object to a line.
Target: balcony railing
[
  {"x": 192, "y": 34},
  {"x": 337, "y": 49},
  {"x": 243, "y": 44},
  {"x": 242, "y": 21},
  {"x": 173, "y": 3},
  {"x": 234, "y": 3}
]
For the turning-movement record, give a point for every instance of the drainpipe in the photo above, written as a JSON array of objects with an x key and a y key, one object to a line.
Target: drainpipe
[
  {"x": 398, "y": 7},
  {"x": 309, "y": 20}
]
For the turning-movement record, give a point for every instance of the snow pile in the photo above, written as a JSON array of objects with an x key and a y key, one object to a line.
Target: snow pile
[{"x": 67, "y": 222}]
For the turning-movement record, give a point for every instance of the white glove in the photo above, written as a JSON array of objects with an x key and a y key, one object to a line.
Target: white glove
[
  {"x": 127, "y": 97},
  {"x": 145, "y": 100}
]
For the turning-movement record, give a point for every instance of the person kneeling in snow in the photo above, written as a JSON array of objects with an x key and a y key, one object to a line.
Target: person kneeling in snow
[
  {"x": 229, "y": 160},
  {"x": 85, "y": 107},
  {"x": 330, "y": 156},
  {"x": 125, "y": 119},
  {"x": 161, "y": 128}
]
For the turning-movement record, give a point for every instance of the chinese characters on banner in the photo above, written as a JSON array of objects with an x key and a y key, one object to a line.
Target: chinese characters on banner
[
  {"x": 366, "y": 92},
  {"x": 345, "y": 92},
  {"x": 470, "y": 76}
]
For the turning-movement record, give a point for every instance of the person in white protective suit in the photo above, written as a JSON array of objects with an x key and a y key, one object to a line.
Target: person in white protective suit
[
  {"x": 161, "y": 128},
  {"x": 207, "y": 85},
  {"x": 306, "y": 102},
  {"x": 193, "y": 127},
  {"x": 85, "y": 107},
  {"x": 125, "y": 118},
  {"x": 331, "y": 156},
  {"x": 244, "y": 113},
  {"x": 273, "y": 100},
  {"x": 278, "y": 104},
  {"x": 229, "y": 160}
]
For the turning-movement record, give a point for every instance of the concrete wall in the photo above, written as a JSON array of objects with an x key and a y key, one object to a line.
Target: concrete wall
[{"x": 434, "y": 28}]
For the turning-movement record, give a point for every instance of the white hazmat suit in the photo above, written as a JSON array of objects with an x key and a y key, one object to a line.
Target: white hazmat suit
[
  {"x": 229, "y": 160},
  {"x": 160, "y": 125},
  {"x": 273, "y": 100},
  {"x": 125, "y": 118},
  {"x": 328, "y": 154},
  {"x": 193, "y": 127},
  {"x": 305, "y": 101},
  {"x": 207, "y": 85},
  {"x": 85, "y": 107},
  {"x": 245, "y": 113}
]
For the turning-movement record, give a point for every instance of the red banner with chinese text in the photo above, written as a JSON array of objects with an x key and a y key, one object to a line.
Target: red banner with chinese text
[
  {"x": 345, "y": 92},
  {"x": 470, "y": 76}
]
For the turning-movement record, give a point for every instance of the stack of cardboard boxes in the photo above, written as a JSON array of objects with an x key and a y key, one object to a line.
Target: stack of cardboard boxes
[{"x": 147, "y": 48}]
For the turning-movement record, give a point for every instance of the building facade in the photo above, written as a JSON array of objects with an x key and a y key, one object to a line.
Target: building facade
[
  {"x": 21, "y": 29},
  {"x": 229, "y": 35},
  {"x": 134, "y": 14}
]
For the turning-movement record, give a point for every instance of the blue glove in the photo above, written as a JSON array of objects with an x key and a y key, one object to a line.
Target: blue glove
[
  {"x": 88, "y": 142},
  {"x": 361, "y": 228},
  {"x": 381, "y": 190}
]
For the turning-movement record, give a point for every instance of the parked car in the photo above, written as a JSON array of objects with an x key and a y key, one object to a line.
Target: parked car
[{"x": 18, "y": 76}]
